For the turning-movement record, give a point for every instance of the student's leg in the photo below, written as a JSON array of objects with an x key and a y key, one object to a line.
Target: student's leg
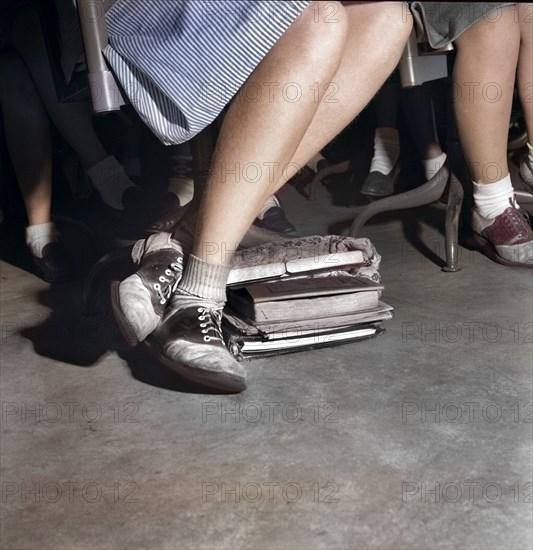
[
  {"x": 270, "y": 135},
  {"x": 484, "y": 79},
  {"x": 27, "y": 133},
  {"x": 345, "y": 56},
  {"x": 72, "y": 119},
  {"x": 417, "y": 103}
]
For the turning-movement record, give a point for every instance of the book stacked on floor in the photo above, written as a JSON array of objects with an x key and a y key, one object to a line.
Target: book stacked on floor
[{"x": 274, "y": 309}]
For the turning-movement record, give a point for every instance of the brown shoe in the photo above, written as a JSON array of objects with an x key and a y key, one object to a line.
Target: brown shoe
[{"x": 507, "y": 238}]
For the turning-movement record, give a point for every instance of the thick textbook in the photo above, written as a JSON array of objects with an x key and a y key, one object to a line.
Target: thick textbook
[{"x": 304, "y": 298}]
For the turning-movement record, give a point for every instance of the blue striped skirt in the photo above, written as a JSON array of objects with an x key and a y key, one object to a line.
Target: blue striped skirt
[{"x": 181, "y": 61}]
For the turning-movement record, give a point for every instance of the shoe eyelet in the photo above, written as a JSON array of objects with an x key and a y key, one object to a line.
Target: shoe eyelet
[
  {"x": 157, "y": 286},
  {"x": 207, "y": 338},
  {"x": 168, "y": 272}
]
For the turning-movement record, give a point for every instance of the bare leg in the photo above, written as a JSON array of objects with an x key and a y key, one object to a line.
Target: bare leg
[
  {"x": 357, "y": 66},
  {"x": 27, "y": 133},
  {"x": 484, "y": 79}
]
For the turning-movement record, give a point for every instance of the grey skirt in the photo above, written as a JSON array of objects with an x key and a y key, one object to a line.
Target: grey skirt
[
  {"x": 181, "y": 61},
  {"x": 440, "y": 23}
]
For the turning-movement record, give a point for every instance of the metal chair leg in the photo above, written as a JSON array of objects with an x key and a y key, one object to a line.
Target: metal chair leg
[
  {"x": 338, "y": 168},
  {"x": 427, "y": 193},
  {"x": 453, "y": 211}
]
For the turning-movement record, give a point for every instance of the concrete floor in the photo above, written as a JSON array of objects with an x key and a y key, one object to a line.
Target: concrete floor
[{"x": 421, "y": 438}]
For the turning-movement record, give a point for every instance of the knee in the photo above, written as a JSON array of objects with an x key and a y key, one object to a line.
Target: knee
[
  {"x": 392, "y": 21},
  {"x": 383, "y": 25},
  {"x": 324, "y": 30}
]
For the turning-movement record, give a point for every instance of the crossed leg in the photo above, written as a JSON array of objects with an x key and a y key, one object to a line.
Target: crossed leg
[
  {"x": 319, "y": 75},
  {"x": 339, "y": 67},
  {"x": 269, "y": 135}
]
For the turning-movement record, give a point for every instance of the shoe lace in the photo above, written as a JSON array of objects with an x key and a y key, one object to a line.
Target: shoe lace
[
  {"x": 210, "y": 321},
  {"x": 169, "y": 281}
]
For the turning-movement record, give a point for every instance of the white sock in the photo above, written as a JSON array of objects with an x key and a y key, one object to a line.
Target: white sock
[
  {"x": 386, "y": 150},
  {"x": 110, "y": 180},
  {"x": 270, "y": 203},
  {"x": 38, "y": 236},
  {"x": 491, "y": 199},
  {"x": 530, "y": 155},
  {"x": 432, "y": 166},
  {"x": 314, "y": 161}
]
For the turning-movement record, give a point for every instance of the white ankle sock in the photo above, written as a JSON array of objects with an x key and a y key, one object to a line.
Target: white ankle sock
[
  {"x": 386, "y": 150},
  {"x": 314, "y": 161},
  {"x": 110, "y": 180},
  {"x": 432, "y": 166},
  {"x": 202, "y": 280},
  {"x": 530, "y": 155},
  {"x": 491, "y": 199},
  {"x": 38, "y": 236},
  {"x": 270, "y": 203}
]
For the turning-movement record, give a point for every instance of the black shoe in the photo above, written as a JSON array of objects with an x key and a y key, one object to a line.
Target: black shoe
[
  {"x": 381, "y": 185},
  {"x": 56, "y": 265},
  {"x": 165, "y": 214},
  {"x": 274, "y": 219},
  {"x": 189, "y": 343},
  {"x": 144, "y": 213}
]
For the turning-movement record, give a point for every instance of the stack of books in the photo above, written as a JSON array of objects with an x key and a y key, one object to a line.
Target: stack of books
[{"x": 302, "y": 304}]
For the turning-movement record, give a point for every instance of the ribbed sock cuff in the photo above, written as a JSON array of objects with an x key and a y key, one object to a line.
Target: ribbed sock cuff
[{"x": 205, "y": 280}]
